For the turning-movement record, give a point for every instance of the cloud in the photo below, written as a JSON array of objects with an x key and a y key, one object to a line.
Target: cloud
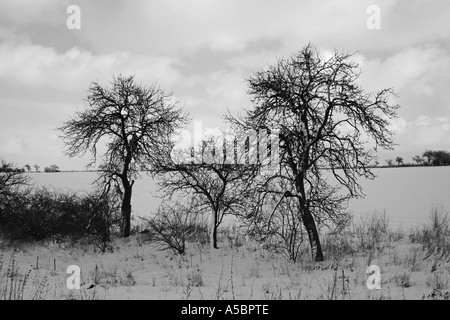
[
  {"x": 203, "y": 50},
  {"x": 40, "y": 88},
  {"x": 13, "y": 145},
  {"x": 187, "y": 25},
  {"x": 409, "y": 68},
  {"x": 423, "y": 121},
  {"x": 35, "y": 65},
  {"x": 232, "y": 25},
  {"x": 431, "y": 137},
  {"x": 20, "y": 13},
  {"x": 399, "y": 125}
]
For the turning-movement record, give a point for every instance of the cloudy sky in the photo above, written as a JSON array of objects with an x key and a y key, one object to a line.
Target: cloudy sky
[{"x": 202, "y": 51}]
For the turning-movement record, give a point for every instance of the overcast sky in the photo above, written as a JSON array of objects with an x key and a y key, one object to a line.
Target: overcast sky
[{"x": 202, "y": 51}]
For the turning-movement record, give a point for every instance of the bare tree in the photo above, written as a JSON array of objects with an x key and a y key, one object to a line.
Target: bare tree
[
  {"x": 11, "y": 180},
  {"x": 36, "y": 167},
  {"x": 326, "y": 123},
  {"x": 220, "y": 184},
  {"x": 399, "y": 161},
  {"x": 136, "y": 122}
]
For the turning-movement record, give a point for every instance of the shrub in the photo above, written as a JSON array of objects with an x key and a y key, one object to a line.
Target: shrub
[
  {"x": 97, "y": 218},
  {"x": 173, "y": 226},
  {"x": 279, "y": 229},
  {"x": 36, "y": 214}
]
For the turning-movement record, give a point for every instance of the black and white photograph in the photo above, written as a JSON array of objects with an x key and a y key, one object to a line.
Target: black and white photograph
[{"x": 224, "y": 154}]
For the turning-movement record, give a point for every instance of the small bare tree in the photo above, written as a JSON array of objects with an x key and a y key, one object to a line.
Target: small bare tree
[
  {"x": 220, "y": 184},
  {"x": 136, "y": 123},
  {"x": 399, "y": 161},
  {"x": 11, "y": 180}
]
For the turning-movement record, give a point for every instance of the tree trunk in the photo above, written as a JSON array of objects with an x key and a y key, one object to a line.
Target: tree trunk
[
  {"x": 213, "y": 232},
  {"x": 308, "y": 222},
  {"x": 126, "y": 209},
  {"x": 313, "y": 235}
]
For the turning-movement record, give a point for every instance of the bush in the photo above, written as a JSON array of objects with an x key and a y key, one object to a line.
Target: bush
[
  {"x": 97, "y": 218},
  {"x": 37, "y": 214},
  {"x": 43, "y": 214},
  {"x": 173, "y": 226},
  {"x": 279, "y": 229}
]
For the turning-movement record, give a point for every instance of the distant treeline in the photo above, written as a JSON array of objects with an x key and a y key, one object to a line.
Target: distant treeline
[
  {"x": 428, "y": 158},
  {"x": 8, "y": 168}
]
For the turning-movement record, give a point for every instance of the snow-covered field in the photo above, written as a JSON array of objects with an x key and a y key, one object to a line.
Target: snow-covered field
[{"x": 237, "y": 270}]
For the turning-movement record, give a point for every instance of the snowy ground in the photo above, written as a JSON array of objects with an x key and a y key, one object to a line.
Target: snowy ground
[{"x": 137, "y": 270}]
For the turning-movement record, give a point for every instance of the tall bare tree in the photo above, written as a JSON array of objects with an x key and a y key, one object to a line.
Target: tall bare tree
[
  {"x": 136, "y": 123},
  {"x": 217, "y": 176},
  {"x": 326, "y": 122}
]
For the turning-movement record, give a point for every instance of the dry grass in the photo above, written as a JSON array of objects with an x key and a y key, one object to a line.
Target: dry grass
[
  {"x": 12, "y": 280},
  {"x": 415, "y": 267}
]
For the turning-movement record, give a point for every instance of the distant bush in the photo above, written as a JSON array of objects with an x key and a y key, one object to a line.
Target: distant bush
[
  {"x": 52, "y": 168},
  {"x": 436, "y": 158},
  {"x": 43, "y": 214}
]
